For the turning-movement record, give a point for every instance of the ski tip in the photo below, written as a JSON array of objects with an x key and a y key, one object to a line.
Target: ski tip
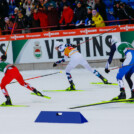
[
  {"x": 14, "y": 106},
  {"x": 101, "y": 83},
  {"x": 47, "y": 97}
]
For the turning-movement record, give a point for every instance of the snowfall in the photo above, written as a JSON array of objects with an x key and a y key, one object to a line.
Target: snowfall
[{"x": 114, "y": 118}]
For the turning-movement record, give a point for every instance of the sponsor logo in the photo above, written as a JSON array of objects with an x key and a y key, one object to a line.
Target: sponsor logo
[
  {"x": 126, "y": 27},
  {"x": 49, "y": 34},
  {"x": 70, "y": 33},
  {"x": 15, "y": 37},
  {"x": 37, "y": 50},
  {"x": 105, "y": 30},
  {"x": 87, "y": 31},
  {"x": 36, "y": 35},
  {"x": 2, "y": 38}
]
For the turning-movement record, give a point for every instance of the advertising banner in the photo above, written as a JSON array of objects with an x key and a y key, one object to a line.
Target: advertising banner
[
  {"x": 42, "y": 50},
  {"x": 39, "y": 47}
]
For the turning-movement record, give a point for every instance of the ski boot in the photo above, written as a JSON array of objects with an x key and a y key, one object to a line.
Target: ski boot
[
  {"x": 7, "y": 102},
  {"x": 105, "y": 81},
  {"x": 37, "y": 92},
  {"x": 72, "y": 87},
  {"x": 122, "y": 95}
]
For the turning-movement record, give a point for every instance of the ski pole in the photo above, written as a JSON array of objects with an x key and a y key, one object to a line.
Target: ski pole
[
  {"x": 38, "y": 76},
  {"x": 12, "y": 30},
  {"x": 10, "y": 37},
  {"x": 120, "y": 67}
]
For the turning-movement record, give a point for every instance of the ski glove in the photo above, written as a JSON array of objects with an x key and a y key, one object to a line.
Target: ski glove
[
  {"x": 74, "y": 46},
  {"x": 54, "y": 65},
  {"x": 122, "y": 60},
  {"x": 107, "y": 70},
  {"x": 4, "y": 57}
]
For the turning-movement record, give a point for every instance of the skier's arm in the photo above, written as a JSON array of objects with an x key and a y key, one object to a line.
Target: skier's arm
[
  {"x": 113, "y": 49},
  {"x": 60, "y": 61},
  {"x": 70, "y": 45}
]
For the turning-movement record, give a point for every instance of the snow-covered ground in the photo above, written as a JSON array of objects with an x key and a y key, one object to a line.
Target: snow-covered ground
[{"x": 102, "y": 119}]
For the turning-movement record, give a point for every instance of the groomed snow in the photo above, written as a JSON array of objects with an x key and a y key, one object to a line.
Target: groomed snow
[{"x": 103, "y": 119}]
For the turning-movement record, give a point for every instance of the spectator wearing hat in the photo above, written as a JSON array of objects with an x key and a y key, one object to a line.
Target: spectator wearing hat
[
  {"x": 97, "y": 19},
  {"x": 53, "y": 17},
  {"x": 13, "y": 17},
  {"x": 101, "y": 8},
  {"x": 80, "y": 14},
  {"x": 67, "y": 15},
  {"x": 48, "y": 2},
  {"x": 88, "y": 20},
  {"x": 21, "y": 21}
]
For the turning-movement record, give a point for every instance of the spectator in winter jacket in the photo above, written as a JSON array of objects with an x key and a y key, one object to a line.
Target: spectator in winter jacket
[
  {"x": 116, "y": 8},
  {"x": 8, "y": 25},
  {"x": 53, "y": 17},
  {"x": 101, "y": 8},
  {"x": 124, "y": 13},
  {"x": 88, "y": 20},
  {"x": 21, "y": 21},
  {"x": 79, "y": 14},
  {"x": 42, "y": 17},
  {"x": 97, "y": 18},
  {"x": 67, "y": 15},
  {"x": 28, "y": 6},
  {"x": 121, "y": 12},
  {"x": 13, "y": 17}
]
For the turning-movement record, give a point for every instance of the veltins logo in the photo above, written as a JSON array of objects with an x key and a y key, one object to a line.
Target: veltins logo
[{"x": 37, "y": 50}]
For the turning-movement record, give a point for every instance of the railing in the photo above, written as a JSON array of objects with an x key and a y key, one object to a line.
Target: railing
[{"x": 48, "y": 28}]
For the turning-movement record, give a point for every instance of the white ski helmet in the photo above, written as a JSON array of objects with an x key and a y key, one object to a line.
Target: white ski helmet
[
  {"x": 113, "y": 40},
  {"x": 60, "y": 46},
  {"x": 57, "y": 44}
]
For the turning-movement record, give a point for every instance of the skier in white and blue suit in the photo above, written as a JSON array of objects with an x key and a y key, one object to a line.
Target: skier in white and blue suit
[{"x": 127, "y": 69}]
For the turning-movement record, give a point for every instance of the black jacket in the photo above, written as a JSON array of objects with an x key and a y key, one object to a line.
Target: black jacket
[{"x": 80, "y": 14}]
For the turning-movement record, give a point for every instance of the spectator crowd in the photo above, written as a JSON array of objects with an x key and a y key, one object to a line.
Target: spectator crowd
[{"x": 45, "y": 15}]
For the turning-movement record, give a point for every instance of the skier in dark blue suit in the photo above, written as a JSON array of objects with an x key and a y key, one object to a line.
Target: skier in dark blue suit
[{"x": 127, "y": 69}]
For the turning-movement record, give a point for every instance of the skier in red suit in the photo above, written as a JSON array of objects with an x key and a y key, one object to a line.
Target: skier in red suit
[{"x": 11, "y": 72}]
